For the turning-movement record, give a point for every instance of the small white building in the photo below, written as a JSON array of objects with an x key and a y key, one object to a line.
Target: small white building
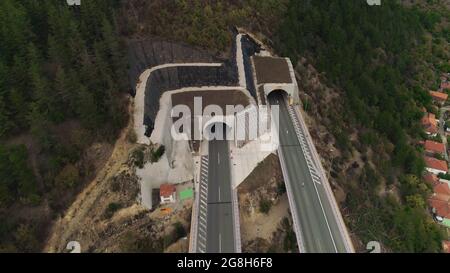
[{"x": 167, "y": 193}]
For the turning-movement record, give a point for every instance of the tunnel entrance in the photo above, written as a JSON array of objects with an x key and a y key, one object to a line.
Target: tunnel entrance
[
  {"x": 277, "y": 94},
  {"x": 218, "y": 131}
]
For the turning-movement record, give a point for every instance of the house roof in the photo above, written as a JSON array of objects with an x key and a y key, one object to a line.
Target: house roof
[
  {"x": 439, "y": 95},
  {"x": 430, "y": 123},
  {"x": 440, "y": 197},
  {"x": 446, "y": 246},
  {"x": 431, "y": 178},
  {"x": 445, "y": 85},
  {"x": 442, "y": 208},
  {"x": 437, "y": 164},
  {"x": 432, "y": 129},
  {"x": 166, "y": 190},
  {"x": 435, "y": 147},
  {"x": 442, "y": 188}
]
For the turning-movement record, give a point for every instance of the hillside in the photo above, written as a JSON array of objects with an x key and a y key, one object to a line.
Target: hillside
[
  {"x": 364, "y": 74},
  {"x": 381, "y": 61},
  {"x": 61, "y": 106}
]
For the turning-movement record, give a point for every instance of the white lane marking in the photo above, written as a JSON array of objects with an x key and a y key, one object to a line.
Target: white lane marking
[
  {"x": 220, "y": 243},
  {"x": 326, "y": 219},
  {"x": 219, "y": 193},
  {"x": 318, "y": 196},
  {"x": 218, "y": 159},
  {"x": 306, "y": 148}
]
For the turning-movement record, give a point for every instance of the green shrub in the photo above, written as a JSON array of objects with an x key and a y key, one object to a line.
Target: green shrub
[
  {"x": 265, "y": 206},
  {"x": 156, "y": 154},
  {"x": 281, "y": 188},
  {"x": 138, "y": 157},
  {"x": 112, "y": 209},
  {"x": 68, "y": 177},
  {"x": 179, "y": 230}
]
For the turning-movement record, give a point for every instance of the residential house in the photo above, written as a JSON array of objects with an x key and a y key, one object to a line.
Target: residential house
[
  {"x": 440, "y": 209},
  {"x": 445, "y": 86},
  {"x": 430, "y": 124},
  {"x": 435, "y": 166},
  {"x": 433, "y": 148},
  {"x": 167, "y": 193},
  {"x": 446, "y": 246},
  {"x": 431, "y": 179},
  {"x": 444, "y": 181},
  {"x": 439, "y": 97},
  {"x": 440, "y": 202},
  {"x": 442, "y": 189}
]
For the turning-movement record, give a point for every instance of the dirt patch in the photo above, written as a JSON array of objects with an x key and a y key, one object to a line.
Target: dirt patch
[
  {"x": 266, "y": 224},
  {"x": 267, "y": 171},
  {"x": 106, "y": 215}
]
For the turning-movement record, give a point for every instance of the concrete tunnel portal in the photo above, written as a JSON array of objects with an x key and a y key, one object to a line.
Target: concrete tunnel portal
[{"x": 277, "y": 93}]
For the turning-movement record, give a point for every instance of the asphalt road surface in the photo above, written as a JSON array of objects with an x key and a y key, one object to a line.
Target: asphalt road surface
[
  {"x": 220, "y": 230},
  {"x": 317, "y": 223}
]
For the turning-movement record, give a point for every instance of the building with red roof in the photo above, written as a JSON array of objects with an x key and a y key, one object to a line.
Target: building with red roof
[
  {"x": 442, "y": 188},
  {"x": 167, "y": 193},
  {"x": 440, "y": 208},
  {"x": 439, "y": 97},
  {"x": 445, "y": 86},
  {"x": 433, "y": 148},
  {"x": 431, "y": 179},
  {"x": 440, "y": 202},
  {"x": 446, "y": 246},
  {"x": 429, "y": 124},
  {"x": 435, "y": 166}
]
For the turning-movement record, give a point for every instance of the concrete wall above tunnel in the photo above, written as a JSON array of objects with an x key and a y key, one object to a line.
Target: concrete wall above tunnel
[
  {"x": 228, "y": 121},
  {"x": 275, "y": 73},
  {"x": 289, "y": 90}
]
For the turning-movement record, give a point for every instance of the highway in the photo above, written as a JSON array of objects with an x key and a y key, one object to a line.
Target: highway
[
  {"x": 220, "y": 229},
  {"x": 317, "y": 223}
]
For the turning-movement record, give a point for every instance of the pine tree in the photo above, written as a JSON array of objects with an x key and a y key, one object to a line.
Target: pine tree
[
  {"x": 87, "y": 109},
  {"x": 5, "y": 123},
  {"x": 40, "y": 126}
]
